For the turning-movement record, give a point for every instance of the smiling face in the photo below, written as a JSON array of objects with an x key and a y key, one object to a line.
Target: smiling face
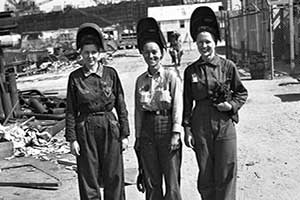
[
  {"x": 90, "y": 55},
  {"x": 152, "y": 55},
  {"x": 206, "y": 45}
]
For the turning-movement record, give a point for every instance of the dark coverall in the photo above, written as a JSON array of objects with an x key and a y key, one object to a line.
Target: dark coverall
[
  {"x": 213, "y": 131},
  {"x": 91, "y": 98}
]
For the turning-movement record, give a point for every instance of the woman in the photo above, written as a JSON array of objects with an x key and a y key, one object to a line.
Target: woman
[
  {"x": 96, "y": 137},
  {"x": 158, "y": 114},
  {"x": 213, "y": 94}
]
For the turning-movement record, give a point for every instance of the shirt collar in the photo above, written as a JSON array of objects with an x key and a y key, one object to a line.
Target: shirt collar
[
  {"x": 88, "y": 72},
  {"x": 216, "y": 61}
]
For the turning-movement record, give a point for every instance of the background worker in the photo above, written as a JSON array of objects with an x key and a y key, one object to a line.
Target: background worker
[{"x": 175, "y": 49}]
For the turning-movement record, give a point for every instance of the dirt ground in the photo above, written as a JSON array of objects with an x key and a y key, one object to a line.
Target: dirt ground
[{"x": 268, "y": 140}]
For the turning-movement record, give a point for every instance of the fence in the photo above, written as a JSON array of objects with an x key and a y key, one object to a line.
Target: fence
[
  {"x": 285, "y": 54},
  {"x": 251, "y": 44},
  {"x": 248, "y": 39}
]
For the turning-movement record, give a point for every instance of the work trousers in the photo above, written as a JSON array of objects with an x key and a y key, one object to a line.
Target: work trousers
[
  {"x": 100, "y": 162},
  {"x": 157, "y": 159},
  {"x": 216, "y": 153}
]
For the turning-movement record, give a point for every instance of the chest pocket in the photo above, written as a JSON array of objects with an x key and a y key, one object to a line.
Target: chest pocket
[
  {"x": 106, "y": 87},
  {"x": 107, "y": 96}
]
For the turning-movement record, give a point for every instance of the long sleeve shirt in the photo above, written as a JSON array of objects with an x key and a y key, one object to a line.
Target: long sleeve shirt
[
  {"x": 200, "y": 78},
  {"x": 90, "y": 92},
  {"x": 161, "y": 91}
]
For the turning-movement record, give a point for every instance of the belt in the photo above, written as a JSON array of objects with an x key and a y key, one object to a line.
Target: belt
[
  {"x": 159, "y": 112},
  {"x": 96, "y": 113}
]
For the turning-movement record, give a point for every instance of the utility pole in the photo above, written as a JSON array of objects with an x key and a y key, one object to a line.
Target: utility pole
[{"x": 292, "y": 33}]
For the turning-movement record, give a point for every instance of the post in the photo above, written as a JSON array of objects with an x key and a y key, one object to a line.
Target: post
[
  {"x": 292, "y": 42},
  {"x": 271, "y": 40}
]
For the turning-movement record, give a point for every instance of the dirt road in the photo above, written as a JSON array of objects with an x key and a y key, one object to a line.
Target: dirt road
[{"x": 268, "y": 140}]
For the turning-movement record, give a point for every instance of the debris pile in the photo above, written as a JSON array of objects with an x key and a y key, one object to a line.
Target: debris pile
[{"x": 32, "y": 139}]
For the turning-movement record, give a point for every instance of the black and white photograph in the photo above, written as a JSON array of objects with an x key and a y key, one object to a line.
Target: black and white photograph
[{"x": 149, "y": 99}]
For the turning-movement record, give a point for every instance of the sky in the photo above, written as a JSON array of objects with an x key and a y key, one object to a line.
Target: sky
[{"x": 48, "y": 6}]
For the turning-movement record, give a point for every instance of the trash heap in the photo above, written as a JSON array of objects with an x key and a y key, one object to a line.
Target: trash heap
[
  {"x": 29, "y": 119},
  {"x": 35, "y": 138}
]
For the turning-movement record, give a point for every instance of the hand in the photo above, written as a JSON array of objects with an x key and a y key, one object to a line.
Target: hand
[
  {"x": 75, "y": 149},
  {"x": 175, "y": 141},
  {"x": 224, "y": 106},
  {"x": 140, "y": 182},
  {"x": 188, "y": 137},
  {"x": 124, "y": 144}
]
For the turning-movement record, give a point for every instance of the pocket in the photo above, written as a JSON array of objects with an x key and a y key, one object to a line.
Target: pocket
[
  {"x": 227, "y": 129},
  {"x": 114, "y": 128}
]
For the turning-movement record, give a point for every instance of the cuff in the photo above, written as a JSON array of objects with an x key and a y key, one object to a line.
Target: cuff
[
  {"x": 177, "y": 128},
  {"x": 70, "y": 137},
  {"x": 234, "y": 107},
  {"x": 124, "y": 135}
]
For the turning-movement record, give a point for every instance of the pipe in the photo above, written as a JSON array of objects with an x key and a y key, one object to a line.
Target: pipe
[
  {"x": 57, "y": 110},
  {"x": 13, "y": 90},
  {"x": 42, "y": 116},
  {"x": 6, "y": 102},
  {"x": 10, "y": 113},
  {"x": 2, "y": 114},
  {"x": 37, "y": 106}
]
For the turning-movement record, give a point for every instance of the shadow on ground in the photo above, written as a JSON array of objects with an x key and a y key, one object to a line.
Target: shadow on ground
[{"x": 288, "y": 97}]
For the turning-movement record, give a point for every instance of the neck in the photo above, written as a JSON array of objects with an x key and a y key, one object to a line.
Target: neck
[
  {"x": 153, "y": 70},
  {"x": 94, "y": 67},
  {"x": 208, "y": 58}
]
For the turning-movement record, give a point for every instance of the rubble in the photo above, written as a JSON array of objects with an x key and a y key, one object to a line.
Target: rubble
[{"x": 29, "y": 141}]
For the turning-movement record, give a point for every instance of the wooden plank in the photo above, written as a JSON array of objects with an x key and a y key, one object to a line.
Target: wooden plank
[{"x": 28, "y": 175}]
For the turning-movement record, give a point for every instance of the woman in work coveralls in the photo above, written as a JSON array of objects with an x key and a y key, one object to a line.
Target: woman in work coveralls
[
  {"x": 213, "y": 94},
  {"x": 96, "y": 137},
  {"x": 158, "y": 116}
]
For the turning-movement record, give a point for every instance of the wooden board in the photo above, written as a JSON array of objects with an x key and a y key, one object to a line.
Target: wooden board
[{"x": 27, "y": 176}]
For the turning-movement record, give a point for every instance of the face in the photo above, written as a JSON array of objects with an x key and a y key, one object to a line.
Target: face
[
  {"x": 90, "y": 55},
  {"x": 152, "y": 55},
  {"x": 206, "y": 45}
]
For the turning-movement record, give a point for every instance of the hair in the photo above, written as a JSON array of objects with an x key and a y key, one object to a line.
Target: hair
[
  {"x": 90, "y": 39},
  {"x": 212, "y": 31},
  {"x": 155, "y": 41}
]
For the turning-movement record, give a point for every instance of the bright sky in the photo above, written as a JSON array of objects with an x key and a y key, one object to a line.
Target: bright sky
[{"x": 47, "y": 7}]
